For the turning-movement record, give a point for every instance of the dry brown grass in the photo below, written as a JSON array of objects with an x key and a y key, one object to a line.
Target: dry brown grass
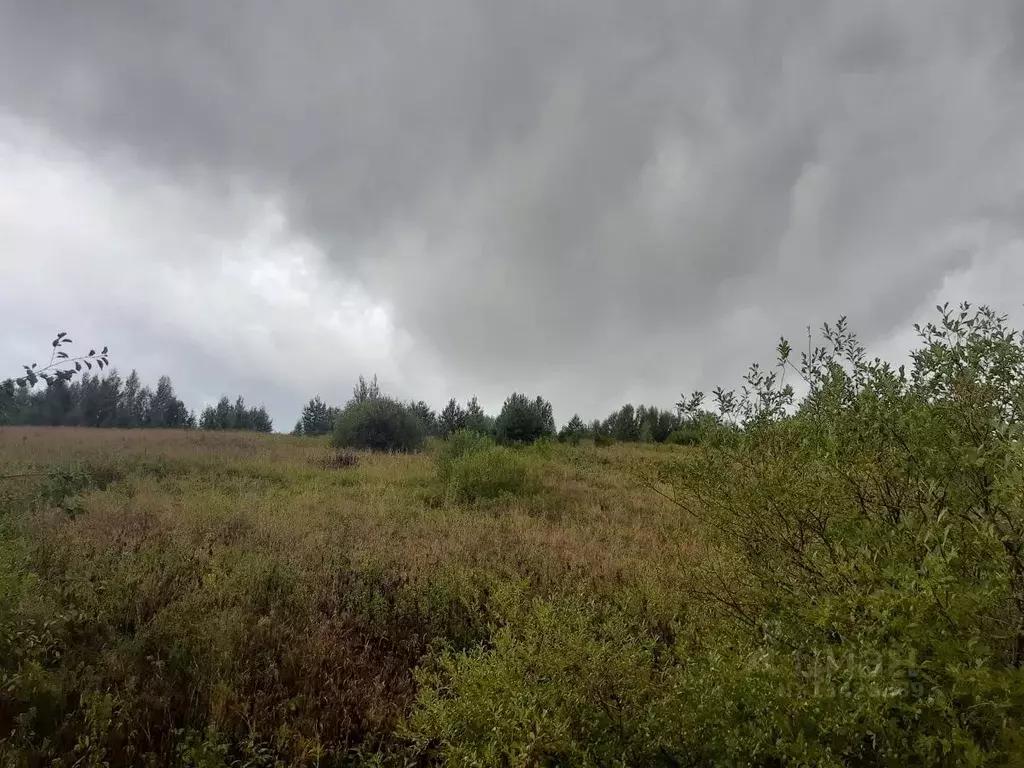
[{"x": 594, "y": 516}]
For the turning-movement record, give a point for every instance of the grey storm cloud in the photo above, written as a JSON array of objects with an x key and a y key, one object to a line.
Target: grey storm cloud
[{"x": 598, "y": 200}]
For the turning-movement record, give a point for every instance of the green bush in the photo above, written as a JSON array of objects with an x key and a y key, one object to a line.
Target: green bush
[
  {"x": 550, "y": 690},
  {"x": 455, "y": 446},
  {"x": 563, "y": 685},
  {"x": 879, "y": 518},
  {"x": 689, "y": 435},
  {"x": 470, "y": 468},
  {"x": 486, "y": 474},
  {"x": 378, "y": 424},
  {"x": 544, "y": 447}
]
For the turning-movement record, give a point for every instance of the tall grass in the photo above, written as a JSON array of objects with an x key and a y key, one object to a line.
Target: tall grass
[{"x": 189, "y": 596}]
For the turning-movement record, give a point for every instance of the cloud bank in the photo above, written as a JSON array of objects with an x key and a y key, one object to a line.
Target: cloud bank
[{"x": 594, "y": 201}]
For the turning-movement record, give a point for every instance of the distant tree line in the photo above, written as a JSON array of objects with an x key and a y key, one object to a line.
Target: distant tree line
[
  {"x": 637, "y": 424},
  {"x": 95, "y": 400},
  {"x": 228, "y": 415},
  {"x": 370, "y": 419}
]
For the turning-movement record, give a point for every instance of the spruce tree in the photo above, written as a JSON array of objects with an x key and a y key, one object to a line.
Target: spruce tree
[
  {"x": 522, "y": 420},
  {"x": 316, "y": 418},
  {"x": 452, "y": 418}
]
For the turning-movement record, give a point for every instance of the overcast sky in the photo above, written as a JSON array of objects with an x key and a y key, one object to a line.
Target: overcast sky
[{"x": 598, "y": 201}]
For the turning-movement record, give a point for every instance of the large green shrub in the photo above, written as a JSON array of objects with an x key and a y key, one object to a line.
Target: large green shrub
[
  {"x": 550, "y": 690},
  {"x": 523, "y": 420},
  {"x": 378, "y": 424},
  {"x": 563, "y": 685},
  {"x": 881, "y": 517}
]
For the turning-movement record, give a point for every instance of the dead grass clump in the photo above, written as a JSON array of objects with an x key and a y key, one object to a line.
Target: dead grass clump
[{"x": 340, "y": 459}]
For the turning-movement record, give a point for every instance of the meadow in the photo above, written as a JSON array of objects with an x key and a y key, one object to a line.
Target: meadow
[
  {"x": 195, "y": 596},
  {"x": 835, "y": 579}
]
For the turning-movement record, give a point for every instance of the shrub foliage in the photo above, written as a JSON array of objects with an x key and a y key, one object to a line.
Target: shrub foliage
[
  {"x": 487, "y": 474},
  {"x": 378, "y": 424},
  {"x": 470, "y": 468}
]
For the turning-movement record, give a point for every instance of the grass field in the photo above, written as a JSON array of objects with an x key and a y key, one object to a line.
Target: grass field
[{"x": 234, "y": 598}]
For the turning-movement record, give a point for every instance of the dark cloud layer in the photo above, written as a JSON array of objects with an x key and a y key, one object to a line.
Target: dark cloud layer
[{"x": 597, "y": 199}]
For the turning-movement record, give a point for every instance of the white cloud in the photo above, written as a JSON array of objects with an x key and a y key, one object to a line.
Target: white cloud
[{"x": 130, "y": 261}]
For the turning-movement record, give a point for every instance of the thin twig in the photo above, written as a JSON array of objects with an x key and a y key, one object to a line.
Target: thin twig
[{"x": 23, "y": 474}]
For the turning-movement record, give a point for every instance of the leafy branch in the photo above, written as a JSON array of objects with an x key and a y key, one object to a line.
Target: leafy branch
[{"x": 62, "y": 367}]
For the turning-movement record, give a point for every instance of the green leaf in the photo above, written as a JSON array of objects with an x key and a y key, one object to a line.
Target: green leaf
[{"x": 78, "y": 366}]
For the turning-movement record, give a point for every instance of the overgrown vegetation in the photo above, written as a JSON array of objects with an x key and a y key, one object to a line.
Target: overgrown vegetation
[
  {"x": 378, "y": 424},
  {"x": 471, "y": 468},
  {"x": 832, "y": 579}
]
